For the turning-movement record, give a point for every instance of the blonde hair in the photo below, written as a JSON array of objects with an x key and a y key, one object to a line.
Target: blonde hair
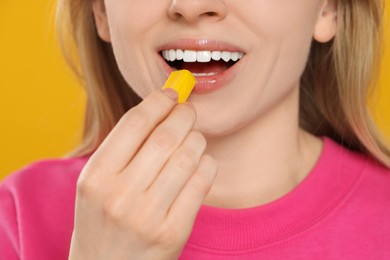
[{"x": 335, "y": 87}]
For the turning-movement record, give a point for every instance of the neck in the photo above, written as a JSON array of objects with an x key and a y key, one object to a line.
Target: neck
[{"x": 264, "y": 160}]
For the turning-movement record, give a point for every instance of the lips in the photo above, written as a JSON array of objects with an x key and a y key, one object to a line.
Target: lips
[{"x": 212, "y": 62}]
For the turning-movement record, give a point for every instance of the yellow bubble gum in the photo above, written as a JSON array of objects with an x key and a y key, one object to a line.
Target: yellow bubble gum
[{"x": 183, "y": 82}]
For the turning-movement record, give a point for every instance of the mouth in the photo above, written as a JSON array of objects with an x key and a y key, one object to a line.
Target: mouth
[
  {"x": 213, "y": 63},
  {"x": 202, "y": 63}
]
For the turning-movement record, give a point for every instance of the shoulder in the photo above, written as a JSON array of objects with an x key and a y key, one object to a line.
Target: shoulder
[
  {"x": 362, "y": 187},
  {"x": 375, "y": 182},
  {"x": 45, "y": 172},
  {"x": 46, "y": 178},
  {"x": 374, "y": 175},
  {"x": 37, "y": 208},
  {"x": 356, "y": 162},
  {"x": 371, "y": 179}
]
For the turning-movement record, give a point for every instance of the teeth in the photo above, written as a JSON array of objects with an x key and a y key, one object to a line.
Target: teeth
[
  {"x": 201, "y": 56},
  {"x": 234, "y": 56},
  {"x": 189, "y": 56},
  {"x": 164, "y": 54},
  {"x": 172, "y": 55},
  {"x": 204, "y": 74},
  {"x": 216, "y": 55},
  {"x": 179, "y": 54},
  {"x": 226, "y": 56}
]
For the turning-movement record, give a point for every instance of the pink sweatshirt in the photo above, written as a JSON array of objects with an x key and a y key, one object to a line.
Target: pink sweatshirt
[{"x": 340, "y": 211}]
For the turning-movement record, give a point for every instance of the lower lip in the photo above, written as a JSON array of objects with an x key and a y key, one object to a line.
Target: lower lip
[{"x": 205, "y": 84}]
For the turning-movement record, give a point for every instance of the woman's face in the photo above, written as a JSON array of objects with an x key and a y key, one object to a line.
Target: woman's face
[{"x": 271, "y": 40}]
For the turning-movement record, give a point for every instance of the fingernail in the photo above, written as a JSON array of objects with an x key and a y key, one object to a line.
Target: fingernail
[{"x": 171, "y": 93}]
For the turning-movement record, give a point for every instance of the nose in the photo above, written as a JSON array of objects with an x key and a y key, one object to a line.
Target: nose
[{"x": 194, "y": 10}]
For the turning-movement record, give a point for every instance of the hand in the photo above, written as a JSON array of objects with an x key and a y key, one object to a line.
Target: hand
[{"x": 139, "y": 194}]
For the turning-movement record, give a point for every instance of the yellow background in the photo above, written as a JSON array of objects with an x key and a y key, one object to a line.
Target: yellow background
[{"x": 41, "y": 103}]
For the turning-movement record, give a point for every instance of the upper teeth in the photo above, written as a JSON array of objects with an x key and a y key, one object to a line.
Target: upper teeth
[{"x": 201, "y": 56}]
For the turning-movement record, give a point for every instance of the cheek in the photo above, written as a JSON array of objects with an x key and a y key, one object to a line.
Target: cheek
[
  {"x": 130, "y": 23},
  {"x": 280, "y": 47},
  {"x": 284, "y": 24},
  {"x": 134, "y": 16},
  {"x": 286, "y": 31}
]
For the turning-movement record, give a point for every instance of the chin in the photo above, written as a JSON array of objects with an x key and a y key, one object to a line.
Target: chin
[{"x": 216, "y": 127}]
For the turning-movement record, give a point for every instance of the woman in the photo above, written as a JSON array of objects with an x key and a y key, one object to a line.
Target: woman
[{"x": 273, "y": 157}]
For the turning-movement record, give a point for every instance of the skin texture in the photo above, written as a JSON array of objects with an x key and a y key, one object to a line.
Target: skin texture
[{"x": 249, "y": 127}]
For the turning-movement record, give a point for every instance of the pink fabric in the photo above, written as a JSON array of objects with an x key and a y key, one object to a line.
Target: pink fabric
[{"x": 340, "y": 211}]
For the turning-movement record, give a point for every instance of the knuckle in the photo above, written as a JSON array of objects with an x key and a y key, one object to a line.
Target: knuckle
[
  {"x": 114, "y": 212},
  {"x": 86, "y": 187},
  {"x": 163, "y": 140},
  {"x": 168, "y": 241},
  {"x": 145, "y": 215},
  {"x": 145, "y": 230},
  {"x": 148, "y": 225},
  {"x": 94, "y": 166},
  {"x": 158, "y": 98},
  {"x": 135, "y": 119},
  {"x": 186, "y": 160},
  {"x": 166, "y": 237},
  {"x": 154, "y": 96},
  {"x": 89, "y": 183},
  {"x": 199, "y": 185},
  {"x": 189, "y": 155},
  {"x": 198, "y": 139}
]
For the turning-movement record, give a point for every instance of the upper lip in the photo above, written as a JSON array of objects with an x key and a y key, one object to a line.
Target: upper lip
[{"x": 200, "y": 44}]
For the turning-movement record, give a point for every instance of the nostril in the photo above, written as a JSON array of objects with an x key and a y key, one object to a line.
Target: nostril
[
  {"x": 211, "y": 14},
  {"x": 176, "y": 16}
]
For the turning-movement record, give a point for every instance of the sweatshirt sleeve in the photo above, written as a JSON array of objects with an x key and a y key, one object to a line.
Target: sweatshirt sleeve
[{"x": 9, "y": 235}]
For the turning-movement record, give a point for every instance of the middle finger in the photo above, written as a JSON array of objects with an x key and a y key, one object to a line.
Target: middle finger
[{"x": 158, "y": 148}]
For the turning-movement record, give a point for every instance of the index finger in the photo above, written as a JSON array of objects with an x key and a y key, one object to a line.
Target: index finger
[{"x": 133, "y": 128}]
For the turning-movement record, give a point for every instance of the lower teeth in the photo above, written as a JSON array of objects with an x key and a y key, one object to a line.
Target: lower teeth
[{"x": 204, "y": 74}]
